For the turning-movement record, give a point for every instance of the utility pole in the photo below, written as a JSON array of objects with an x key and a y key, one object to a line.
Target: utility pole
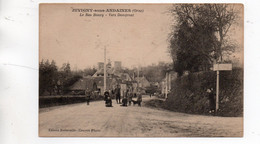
[
  {"x": 166, "y": 88},
  {"x": 169, "y": 81},
  {"x": 217, "y": 92},
  {"x": 105, "y": 71},
  {"x": 138, "y": 76}
]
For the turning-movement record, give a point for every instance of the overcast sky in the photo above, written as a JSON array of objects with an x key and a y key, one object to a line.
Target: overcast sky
[
  {"x": 140, "y": 40},
  {"x": 67, "y": 37}
]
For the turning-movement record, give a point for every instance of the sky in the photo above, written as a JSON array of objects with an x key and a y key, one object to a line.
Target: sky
[
  {"x": 140, "y": 40},
  {"x": 80, "y": 40}
]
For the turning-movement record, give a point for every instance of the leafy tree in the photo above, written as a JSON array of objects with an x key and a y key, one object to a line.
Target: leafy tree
[
  {"x": 89, "y": 71},
  {"x": 154, "y": 73},
  {"x": 67, "y": 77},
  {"x": 54, "y": 81},
  {"x": 199, "y": 35},
  {"x": 65, "y": 70},
  {"x": 47, "y": 76},
  {"x": 194, "y": 46},
  {"x": 224, "y": 16}
]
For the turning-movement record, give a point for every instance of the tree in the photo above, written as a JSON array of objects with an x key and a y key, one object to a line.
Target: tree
[
  {"x": 89, "y": 71},
  {"x": 54, "y": 81},
  {"x": 154, "y": 73},
  {"x": 65, "y": 69},
  {"x": 199, "y": 35},
  {"x": 47, "y": 76},
  {"x": 66, "y": 77}
]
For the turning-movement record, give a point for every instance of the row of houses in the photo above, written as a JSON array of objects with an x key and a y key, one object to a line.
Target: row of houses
[{"x": 115, "y": 76}]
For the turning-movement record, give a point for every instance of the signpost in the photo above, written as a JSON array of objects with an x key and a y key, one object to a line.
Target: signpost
[{"x": 220, "y": 67}]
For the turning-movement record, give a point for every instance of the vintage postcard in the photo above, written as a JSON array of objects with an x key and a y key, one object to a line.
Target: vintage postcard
[{"x": 141, "y": 70}]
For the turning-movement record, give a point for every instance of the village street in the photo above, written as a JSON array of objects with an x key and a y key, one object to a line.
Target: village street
[{"x": 133, "y": 121}]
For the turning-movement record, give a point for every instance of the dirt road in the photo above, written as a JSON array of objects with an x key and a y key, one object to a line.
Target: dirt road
[{"x": 132, "y": 121}]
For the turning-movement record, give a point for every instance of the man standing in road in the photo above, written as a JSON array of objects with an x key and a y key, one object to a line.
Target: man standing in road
[
  {"x": 87, "y": 94},
  {"x": 130, "y": 96},
  {"x": 139, "y": 98},
  {"x": 118, "y": 96},
  {"x": 212, "y": 102}
]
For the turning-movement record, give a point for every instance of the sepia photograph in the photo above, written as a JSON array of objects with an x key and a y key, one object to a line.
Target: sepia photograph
[{"x": 141, "y": 70}]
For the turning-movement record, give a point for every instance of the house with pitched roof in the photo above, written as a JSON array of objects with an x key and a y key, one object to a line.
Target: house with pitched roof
[{"x": 93, "y": 84}]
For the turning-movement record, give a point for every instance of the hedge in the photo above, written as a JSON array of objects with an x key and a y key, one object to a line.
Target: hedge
[{"x": 188, "y": 93}]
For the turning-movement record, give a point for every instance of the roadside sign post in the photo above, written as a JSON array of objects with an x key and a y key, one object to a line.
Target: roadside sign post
[{"x": 220, "y": 67}]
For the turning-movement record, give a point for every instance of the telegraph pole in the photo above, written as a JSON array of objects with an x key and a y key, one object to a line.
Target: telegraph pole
[
  {"x": 217, "y": 92},
  {"x": 166, "y": 88},
  {"x": 138, "y": 76},
  {"x": 105, "y": 71}
]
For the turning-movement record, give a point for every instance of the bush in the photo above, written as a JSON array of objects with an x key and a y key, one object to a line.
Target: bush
[{"x": 189, "y": 93}]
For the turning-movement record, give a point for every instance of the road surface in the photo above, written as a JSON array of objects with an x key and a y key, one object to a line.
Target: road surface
[{"x": 97, "y": 120}]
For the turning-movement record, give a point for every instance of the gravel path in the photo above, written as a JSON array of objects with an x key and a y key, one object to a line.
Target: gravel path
[{"x": 96, "y": 120}]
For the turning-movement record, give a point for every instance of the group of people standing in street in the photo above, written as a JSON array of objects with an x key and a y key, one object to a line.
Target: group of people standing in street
[{"x": 127, "y": 97}]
